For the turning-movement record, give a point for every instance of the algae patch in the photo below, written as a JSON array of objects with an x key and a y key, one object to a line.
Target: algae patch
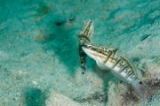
[{"x": 43, "y": 9}]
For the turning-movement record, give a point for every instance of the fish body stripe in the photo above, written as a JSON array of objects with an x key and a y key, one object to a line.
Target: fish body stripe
[
  {"x": 109, "y": 55},
  {"x": 121, "y": 68},
  {"x": 119, "y": 60}
]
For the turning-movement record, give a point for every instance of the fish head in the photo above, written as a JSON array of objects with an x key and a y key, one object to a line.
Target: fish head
[{"x": 95, "y": 52}]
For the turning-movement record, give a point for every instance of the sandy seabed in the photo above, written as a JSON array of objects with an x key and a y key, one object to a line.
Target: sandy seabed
[{"x": 39, "y": 62}]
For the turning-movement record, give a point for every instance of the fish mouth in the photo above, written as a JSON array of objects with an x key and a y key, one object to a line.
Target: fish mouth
[
  {"x": 86, "y": 50},
  {"x": 91, "y": 53}
]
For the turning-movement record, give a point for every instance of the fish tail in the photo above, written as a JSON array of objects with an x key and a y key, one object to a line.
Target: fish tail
[{"x": 141, "y": 88}]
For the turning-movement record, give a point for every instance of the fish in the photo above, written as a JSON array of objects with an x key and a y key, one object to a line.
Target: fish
[
  {"x": 84, "y": 38},
  {"x": 121, "y": 67}
]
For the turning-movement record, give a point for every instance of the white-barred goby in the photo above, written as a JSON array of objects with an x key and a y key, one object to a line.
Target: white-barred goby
[
  {"x": 84, "y": 38},
  {"x": 120, "y": 67}
]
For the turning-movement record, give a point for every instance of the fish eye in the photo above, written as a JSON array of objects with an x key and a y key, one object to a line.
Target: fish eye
[
  {"x": 89, "y": 46},
  {"x": 140, "y": 82}
]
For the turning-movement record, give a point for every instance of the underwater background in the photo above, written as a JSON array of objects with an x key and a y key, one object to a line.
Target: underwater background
[{"x": 39, "y": 63}]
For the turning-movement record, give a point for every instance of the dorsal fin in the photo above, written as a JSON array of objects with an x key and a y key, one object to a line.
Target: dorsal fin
[
  {"x": 130, "y": 65},
  {"x": 115, "y": 52}
]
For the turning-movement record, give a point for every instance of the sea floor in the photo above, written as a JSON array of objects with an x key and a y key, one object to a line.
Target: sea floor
[{"x": 39, "y": 63}]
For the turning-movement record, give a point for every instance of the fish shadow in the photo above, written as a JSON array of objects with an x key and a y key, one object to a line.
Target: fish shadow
[
  {"x": 60, "y": 38},
  {"x": 106, "y": 76}
]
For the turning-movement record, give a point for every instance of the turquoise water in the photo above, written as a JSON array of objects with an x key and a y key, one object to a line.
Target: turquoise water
[{"x": 39, "y": 51}]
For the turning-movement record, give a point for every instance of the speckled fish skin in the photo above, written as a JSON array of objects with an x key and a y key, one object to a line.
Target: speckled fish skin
[{"x": 84, "y": 37}]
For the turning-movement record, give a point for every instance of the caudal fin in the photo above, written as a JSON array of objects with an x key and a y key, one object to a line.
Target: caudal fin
[{"x": 141, "y": 88}]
